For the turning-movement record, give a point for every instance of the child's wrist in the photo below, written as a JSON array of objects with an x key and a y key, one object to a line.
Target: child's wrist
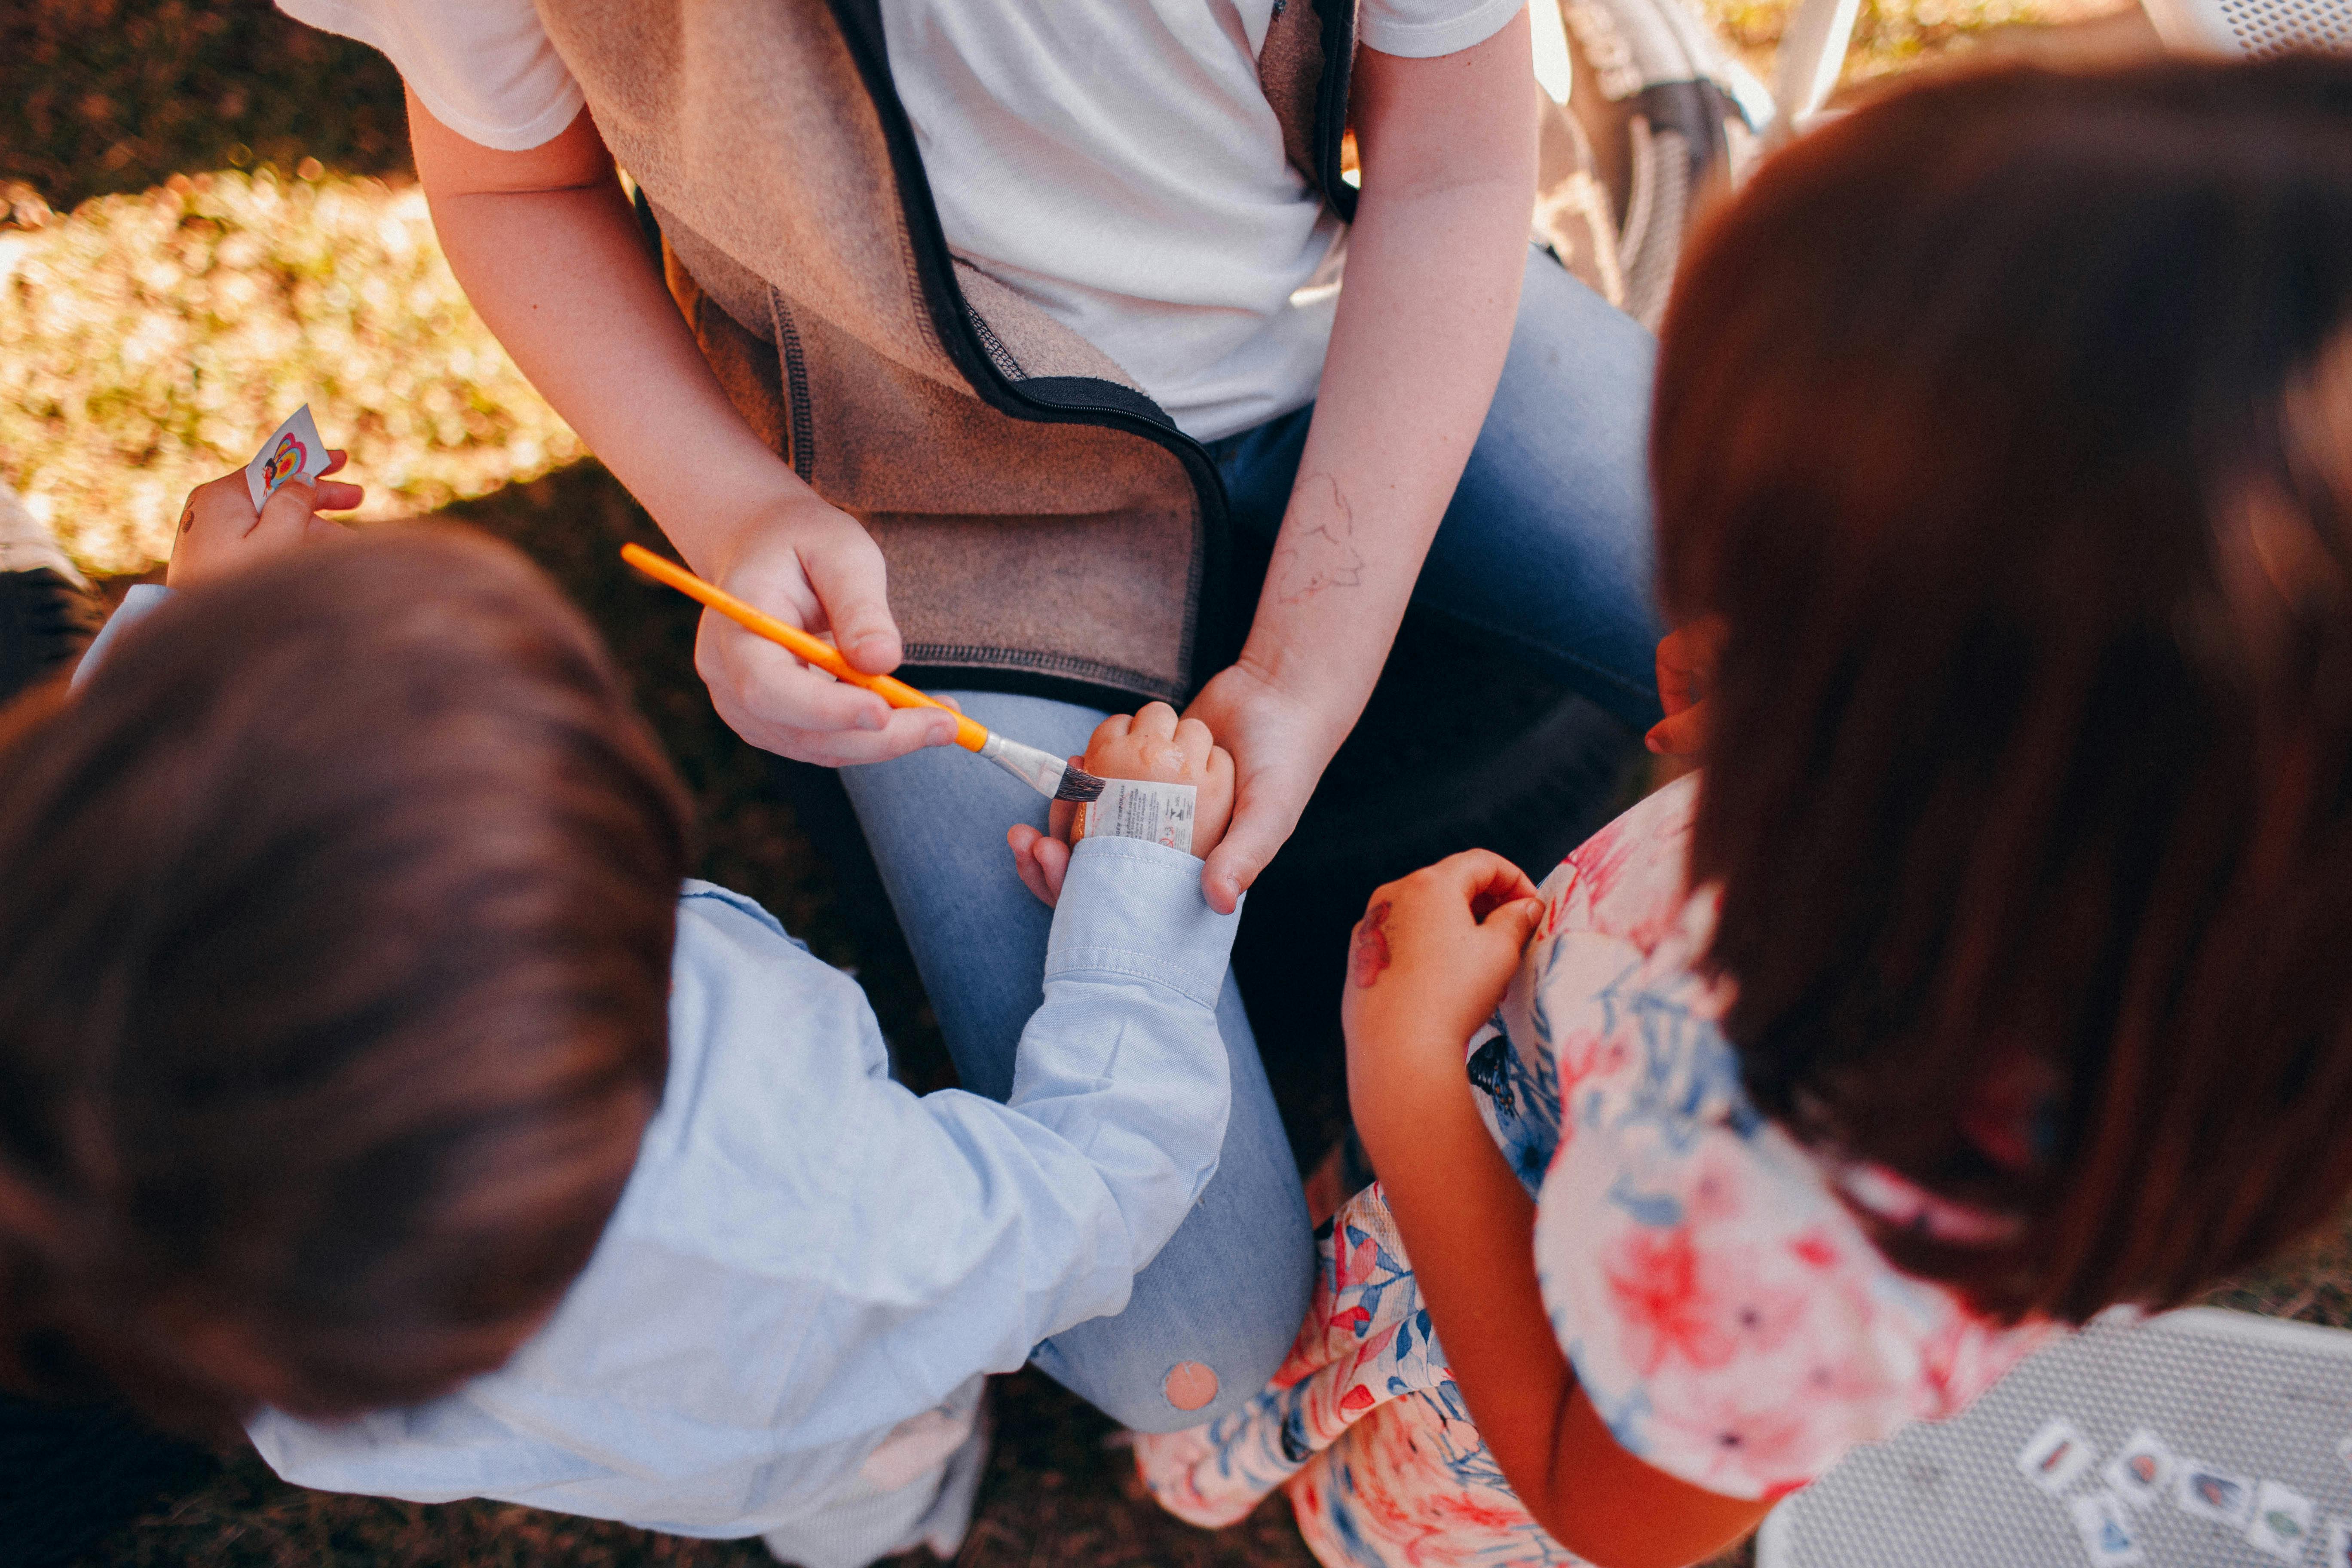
[{"x": 1153, "y": 810}]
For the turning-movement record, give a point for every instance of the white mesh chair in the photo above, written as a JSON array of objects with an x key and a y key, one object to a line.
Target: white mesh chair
[
  {"x": 2259, "y": 28},
  {"x": 2262, "y": 1404}
]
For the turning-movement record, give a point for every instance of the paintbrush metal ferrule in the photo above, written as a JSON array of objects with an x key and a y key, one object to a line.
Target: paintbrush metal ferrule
[{"x": 1046, "y": 773}]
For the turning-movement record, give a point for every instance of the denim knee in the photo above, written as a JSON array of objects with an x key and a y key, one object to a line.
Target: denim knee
[{"x": 1152, "y": 1384}]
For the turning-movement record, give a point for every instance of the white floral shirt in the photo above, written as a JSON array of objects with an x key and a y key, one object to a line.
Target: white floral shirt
[{"x": 1721, "y": 1305}]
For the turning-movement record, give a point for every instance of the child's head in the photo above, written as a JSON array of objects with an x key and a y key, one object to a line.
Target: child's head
[
  {"x": 2007, "y": 425},
  {"x": 335, "y": 926}
]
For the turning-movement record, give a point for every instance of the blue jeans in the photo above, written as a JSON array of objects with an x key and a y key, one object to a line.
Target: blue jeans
[{"x": 1546, "y": 547}]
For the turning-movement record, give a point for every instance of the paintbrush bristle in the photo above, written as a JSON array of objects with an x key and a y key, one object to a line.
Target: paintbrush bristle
[{"x": 1079, "y": 784}]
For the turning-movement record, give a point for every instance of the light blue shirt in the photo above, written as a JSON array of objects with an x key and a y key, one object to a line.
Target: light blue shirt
[{"x": 807, "y": 1253}]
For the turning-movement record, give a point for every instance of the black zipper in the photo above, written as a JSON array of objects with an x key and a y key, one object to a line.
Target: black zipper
[{"x": 1067, "y": 400}]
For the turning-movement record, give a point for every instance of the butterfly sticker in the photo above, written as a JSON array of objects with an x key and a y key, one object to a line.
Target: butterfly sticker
[
  {"x": 2139, "y": 1470},
  {"x": 2056, "y": 1456},
  {"x": 2106, "y": 1529},
  {"x": 2214, "y": 1494},
  {"x": 2281, "y": 1522},
  {"x": 292, "y": 452}
]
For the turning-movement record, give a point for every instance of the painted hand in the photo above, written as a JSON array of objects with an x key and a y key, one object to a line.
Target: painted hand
[
  {"x": 1151, "y": 745},
  {"x": 816, "y": 567},
  {"x": 220, "y": 532},
  {"x": 1428, "y": 963}
]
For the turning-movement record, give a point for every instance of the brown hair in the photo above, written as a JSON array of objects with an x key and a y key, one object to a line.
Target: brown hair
[
  {"x": 2007, "y": 425},
  {"x": 334, "y": 965}
]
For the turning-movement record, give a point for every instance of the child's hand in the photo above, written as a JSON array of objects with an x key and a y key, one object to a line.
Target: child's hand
[
  {"x": 1428, "y": 963},
  {"x": 1686, "y": 672},
  {"x": 220, "y": 532},
  {"x": 1151, "y": 745}
]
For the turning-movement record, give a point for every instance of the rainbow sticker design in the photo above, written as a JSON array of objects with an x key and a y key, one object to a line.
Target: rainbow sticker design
[{"x": 284, "y": 463}]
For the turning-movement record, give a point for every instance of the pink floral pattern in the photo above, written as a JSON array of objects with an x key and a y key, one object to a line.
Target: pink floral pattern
[{"x": 1724, "y": 1308}]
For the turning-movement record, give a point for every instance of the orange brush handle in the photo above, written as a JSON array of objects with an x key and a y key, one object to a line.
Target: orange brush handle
[{"x": 971, "y": 735}]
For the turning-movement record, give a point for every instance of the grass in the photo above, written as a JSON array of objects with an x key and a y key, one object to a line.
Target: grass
[{"x": 149, "y": 342}]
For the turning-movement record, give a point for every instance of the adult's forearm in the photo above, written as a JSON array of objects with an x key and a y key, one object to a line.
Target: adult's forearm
[
  {"x": 560, "y": 274},
  {"x": 1434, "y": 264}
]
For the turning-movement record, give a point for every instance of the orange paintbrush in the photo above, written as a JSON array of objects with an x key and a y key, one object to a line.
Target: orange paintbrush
[{"x": 1041, "y": 771}]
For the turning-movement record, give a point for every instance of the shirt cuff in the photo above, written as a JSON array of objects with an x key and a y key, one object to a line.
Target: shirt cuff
[
  {"x": 1134, "y": 908},
  {"x": 141, "y": 598},
  {"x": 1427, "y": 40}
]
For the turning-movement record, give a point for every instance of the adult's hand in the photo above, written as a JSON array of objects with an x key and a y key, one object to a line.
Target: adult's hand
[
  {"x": 548, "y": 251},
  {"x": 814, "y": 566},
  {"x": 1281, "y": 742},
  {"x": 1686, "y": 660}
]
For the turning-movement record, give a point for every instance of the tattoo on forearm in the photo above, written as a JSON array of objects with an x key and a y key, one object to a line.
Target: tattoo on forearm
[
  {"x": 1369, "y": 952},
  {"x": 1323, "y": 556},
  {"x": 188, "y": 518}
]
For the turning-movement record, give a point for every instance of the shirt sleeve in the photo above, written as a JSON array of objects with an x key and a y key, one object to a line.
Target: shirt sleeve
[
  {"x": 143, "y": 598},
  {"x": 1423, "y": 29},
  {"x": 1044, "y": 1209},
  {"x": 486, "y": 69}
]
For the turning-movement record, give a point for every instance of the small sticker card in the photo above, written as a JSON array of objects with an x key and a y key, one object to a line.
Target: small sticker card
[
  {"x": 2282, "y": 1522},
  {"x": 1141, "y": 808},
  {"x": 2056, "y": 1456},
  {"x": 2105, "y": 1529},
  {"x": 2140, "y": 1471},
  {"x": 2339, "y": 1544},
  {"x": 2214, "y": 1494},
  {"x": 292, "y": 452}
]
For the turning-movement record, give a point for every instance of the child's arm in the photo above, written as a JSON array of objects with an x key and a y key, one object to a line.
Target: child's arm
[{"x": 1428, "y": 964}]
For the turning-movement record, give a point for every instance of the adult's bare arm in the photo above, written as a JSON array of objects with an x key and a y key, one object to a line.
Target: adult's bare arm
[
  {"x": 1434, "y": 260},
  {"x": 548, "y": 249}
]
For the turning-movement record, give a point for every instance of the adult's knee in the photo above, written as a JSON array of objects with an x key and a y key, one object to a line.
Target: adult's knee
[
  {"x": 1167, "y": 1383},
  {"x": 1190, "y": 1348}
]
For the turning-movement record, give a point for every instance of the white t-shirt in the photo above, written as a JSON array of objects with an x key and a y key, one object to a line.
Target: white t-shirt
[{"x": 1114, "y": 161}]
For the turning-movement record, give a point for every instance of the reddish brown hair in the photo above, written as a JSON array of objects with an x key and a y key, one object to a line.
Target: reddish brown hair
[
  {"x": 2008, "y": 426},
  {"x": 334, "y": 964}
]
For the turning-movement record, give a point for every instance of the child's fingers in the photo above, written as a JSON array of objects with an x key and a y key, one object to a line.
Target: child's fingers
[
  {"x": 1114, "y": 728},
  {"x": 1508, "y": 926},
  {"x": 1021, "y": 838},
  {"x": 336, "y": 459},
  {"x": 1053, "y": 857},
  {"x": 334, "y": 495},
  {"x": 1686, "y": 663},
  {"x": 1679, "y": 734},
  {"x": 1156, "y": 719},
  {"x": 284, "y": 516},
  {"x": 1482, "y": 879}
]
